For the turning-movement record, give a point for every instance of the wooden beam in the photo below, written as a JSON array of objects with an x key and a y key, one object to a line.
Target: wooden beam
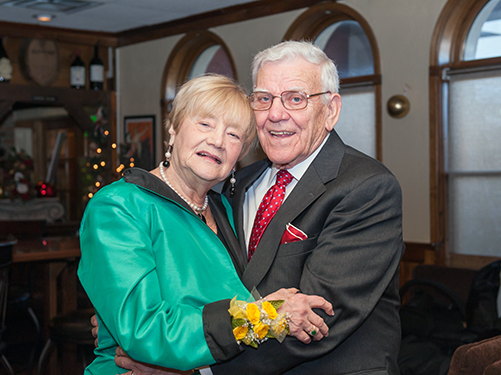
[
  {"x": 51, "y": 96},
  {"x": 23, "y": 30},
  {"x": 203, "y": 21},
  {"x": 5, "y": 109}
]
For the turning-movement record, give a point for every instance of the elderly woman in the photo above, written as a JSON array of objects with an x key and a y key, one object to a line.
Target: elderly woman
[{"x": 155, "y": 260}]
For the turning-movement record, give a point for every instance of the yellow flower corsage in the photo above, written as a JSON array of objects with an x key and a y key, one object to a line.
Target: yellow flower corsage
[{"x": 255, "y": 322}]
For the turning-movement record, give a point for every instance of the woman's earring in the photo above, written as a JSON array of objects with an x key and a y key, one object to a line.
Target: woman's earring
[
  {"x": 233, "y": 180},
  {"x": 168, "y": 155}
]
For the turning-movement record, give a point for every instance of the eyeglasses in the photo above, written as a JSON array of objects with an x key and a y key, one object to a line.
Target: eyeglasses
[{"x": 293, "y": 100}]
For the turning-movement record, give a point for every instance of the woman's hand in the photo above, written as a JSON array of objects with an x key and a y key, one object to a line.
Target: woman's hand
[
  {"x": 139, "y": 368},
  {"x": 304, "y": 323}
]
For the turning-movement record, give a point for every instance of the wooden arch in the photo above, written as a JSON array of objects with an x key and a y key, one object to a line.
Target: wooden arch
[{"x": 180, "y": 62}]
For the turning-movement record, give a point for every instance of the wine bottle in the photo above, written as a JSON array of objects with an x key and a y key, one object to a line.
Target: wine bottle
[
  {"x": 77, "y": 72},
  {"x": 5, "y": 66},
  {"x": 96, "y": 71}
]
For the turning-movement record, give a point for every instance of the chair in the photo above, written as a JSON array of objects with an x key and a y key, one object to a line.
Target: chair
[
  {"x": 433, "y": 318},
  {"x": 459, "y": 280},
  {"x": 20, "y": 296},
  {"x": 69, "y": 328},
  {"x": 5, "y": 262},
  {"x": 478, "y": 358}
]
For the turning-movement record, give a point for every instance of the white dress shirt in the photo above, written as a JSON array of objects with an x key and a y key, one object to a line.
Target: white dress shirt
[{"x": 257, "y": 191}]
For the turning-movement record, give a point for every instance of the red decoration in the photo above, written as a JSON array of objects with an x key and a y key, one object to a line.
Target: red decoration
[{"x": 45, "y": 190}]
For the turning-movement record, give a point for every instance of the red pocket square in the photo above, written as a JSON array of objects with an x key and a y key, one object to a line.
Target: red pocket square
[{"x": 292, "y": 234}]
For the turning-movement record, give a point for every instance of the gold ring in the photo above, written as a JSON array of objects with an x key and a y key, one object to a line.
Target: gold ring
[{"x": 313, "y": 330}]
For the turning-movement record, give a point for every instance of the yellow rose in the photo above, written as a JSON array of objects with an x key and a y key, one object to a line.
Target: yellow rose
[
  {"x": 261, "y": 329},
  {"x": 270, "y": 310},
  {"x": 240, "y": 332},
  {"x": 279, "y": 326},
  {"x": 253, "y": 313},
  {"x": 236, "y": 311}
]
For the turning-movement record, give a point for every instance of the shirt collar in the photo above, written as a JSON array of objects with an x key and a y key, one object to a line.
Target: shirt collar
[{"x": 300, "y": 169}]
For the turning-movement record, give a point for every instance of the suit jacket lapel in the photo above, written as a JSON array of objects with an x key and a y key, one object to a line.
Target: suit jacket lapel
[{"x": 323, "y": 169}]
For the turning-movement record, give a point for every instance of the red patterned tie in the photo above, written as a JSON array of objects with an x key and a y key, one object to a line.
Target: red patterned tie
[{"x": 268, "y": 207}]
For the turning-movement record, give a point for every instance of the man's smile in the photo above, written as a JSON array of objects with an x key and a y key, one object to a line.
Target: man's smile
[{"x": 281, "y": 133}]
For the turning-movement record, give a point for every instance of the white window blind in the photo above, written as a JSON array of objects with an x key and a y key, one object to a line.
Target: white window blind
[
  {"x": 357, "y": 122},
  {"x": 473, "y": 163}
]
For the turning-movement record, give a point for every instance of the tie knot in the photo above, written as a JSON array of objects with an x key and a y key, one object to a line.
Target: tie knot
[{"x": 284, "y": 178}]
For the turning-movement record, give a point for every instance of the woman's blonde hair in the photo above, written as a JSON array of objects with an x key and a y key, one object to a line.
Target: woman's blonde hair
[{"x": 214, "y": 95}]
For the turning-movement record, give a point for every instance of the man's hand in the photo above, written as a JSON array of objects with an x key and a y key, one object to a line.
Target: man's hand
[
  {"x": 95, "y": 326},
  {"x": 304, "y": 323},
  {"x": 138, "y": 368}
]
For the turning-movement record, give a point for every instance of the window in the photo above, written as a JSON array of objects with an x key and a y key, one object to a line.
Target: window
[
  {"x": 474, "y": 163},
  {"x": 195, "y": 54},
  {"x": 212, "y": 60},
  {"x": 465, "y": 90},
  {"x": 347, "y": 45},
  {"x": 484, "y": 38},
  {"x": 348, "y": 41}
]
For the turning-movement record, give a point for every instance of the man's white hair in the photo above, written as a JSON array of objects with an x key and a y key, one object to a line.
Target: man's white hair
[{"x": 292, "y": 50}]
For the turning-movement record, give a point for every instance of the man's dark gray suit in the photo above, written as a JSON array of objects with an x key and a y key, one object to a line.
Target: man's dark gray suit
[{"x": 350, "y": 206}]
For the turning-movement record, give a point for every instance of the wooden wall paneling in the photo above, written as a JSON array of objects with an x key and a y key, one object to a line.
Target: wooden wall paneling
[
  {"x": 415, "y": 254},
  {"x": 470, "y": 261}
]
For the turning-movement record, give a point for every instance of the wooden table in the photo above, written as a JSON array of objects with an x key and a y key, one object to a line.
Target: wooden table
[{"x": 58, "y": 254}]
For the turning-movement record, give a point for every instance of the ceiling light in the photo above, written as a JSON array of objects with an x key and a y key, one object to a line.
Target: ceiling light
[
  {"x": 63, "y": 6},
  {"x": 44, "y": 17}
]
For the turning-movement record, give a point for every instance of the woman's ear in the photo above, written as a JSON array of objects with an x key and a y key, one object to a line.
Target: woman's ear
[{"x": 172, "y": 135}]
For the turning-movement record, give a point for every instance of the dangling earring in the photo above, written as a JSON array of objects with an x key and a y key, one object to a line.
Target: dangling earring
[
  {"x": 168, "y": 155},
  {"x": 233, "y": 180}
]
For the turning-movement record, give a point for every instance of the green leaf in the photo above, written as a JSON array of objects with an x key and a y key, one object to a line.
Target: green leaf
[
  {"x": 276, "y": 304},
  {"x": 253, "y": 344},
  {"x": 237, "y": 323}
]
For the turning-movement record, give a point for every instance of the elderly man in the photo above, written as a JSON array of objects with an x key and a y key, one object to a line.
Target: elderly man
[{"x": 336, "y": 234}]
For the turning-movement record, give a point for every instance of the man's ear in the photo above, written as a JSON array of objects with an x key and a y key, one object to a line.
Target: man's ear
[{"x": 334, "y": 109}]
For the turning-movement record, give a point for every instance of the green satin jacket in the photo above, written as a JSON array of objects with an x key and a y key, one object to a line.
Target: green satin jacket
[{"x": 150, "y": 267}]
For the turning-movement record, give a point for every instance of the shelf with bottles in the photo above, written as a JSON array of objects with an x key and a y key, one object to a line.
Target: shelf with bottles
[
  {"x": 5, "y": 64},
  {"x": 95, "y": 72},
  {"x": 95, "y": 68}
]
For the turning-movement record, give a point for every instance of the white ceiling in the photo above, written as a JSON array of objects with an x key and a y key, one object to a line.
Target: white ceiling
[{"x": 112, "y": 15}]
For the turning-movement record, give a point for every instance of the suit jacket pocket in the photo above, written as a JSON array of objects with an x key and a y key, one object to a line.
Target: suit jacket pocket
[{"x": 296, "y": 248}]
